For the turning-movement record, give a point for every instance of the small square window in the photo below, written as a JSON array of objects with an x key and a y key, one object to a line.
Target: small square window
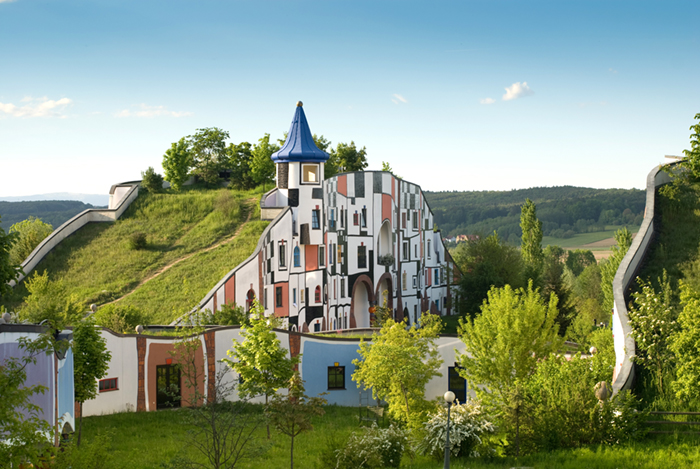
[
  {"x": 336, "y": 377},
  {"x": 310, "y": 173},
  {"x": 109, "y": 384}
]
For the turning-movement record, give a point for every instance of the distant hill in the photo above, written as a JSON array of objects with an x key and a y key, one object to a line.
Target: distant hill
[
  {"x": 98, "y": 200},
  {"x": 55, "y": 212},
  {"x": 564, "y": 210}
]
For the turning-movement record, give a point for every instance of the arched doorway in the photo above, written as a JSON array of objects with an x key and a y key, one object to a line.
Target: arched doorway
[
  {"x": 385, "y": 290},
  {"x": 250, "y": 297},
  {"x": 362, "y": 299},
  {"x": 384, "y": 243}
]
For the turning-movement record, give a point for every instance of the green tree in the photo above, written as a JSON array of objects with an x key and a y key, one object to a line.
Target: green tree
[
  {"x": 8, "y": 269},
  {"x": 386, "y": 167},
  {"x": 685, "y": 344},
  {"x": 151, "y": 181},
  {"x": 49, "y": 301},
  {"x": 552, "y": 279},
  {"x": 260, "y": 360},
  {"x": 90, "y": 363},
  {"x": 531, "y": 239},
  {"x": 653, "y": 318},
  {"x": 177, "y": 162},
  {"x": 579, "y": 259},
  {"x": 262, "y": 166},
  {"x": 291, "y": 414},
  {"x": 22, "y": 428},
  {"x": 485, "y": 263},
  {"x": 30, "y": 233},
  {"x": 608, "y": 268},
  {"x": 515, "y": 329},
  {"x": 692, "y": 156},
  {"x": 345, "y": 158},
  {"x": 240, "y": 161},
  {"x": 209, "y": 153},
  {"x": 398, "y": 364}
]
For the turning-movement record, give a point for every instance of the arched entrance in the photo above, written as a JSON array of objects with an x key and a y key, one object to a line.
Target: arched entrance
[
  {"x": 362, "y": 299},
  {"x": 384, "y": 291},
  {"x": 384, "y": 244},
  {"x": 250, "y": 297}
]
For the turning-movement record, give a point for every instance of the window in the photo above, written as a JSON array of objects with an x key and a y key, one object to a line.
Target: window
[
  {"x": 336, "y": 377},
  {"x": 283, "y": 255},
  {"x": 278, "y": 297},
  {"x": 332, "y": 253},
  {"x": 404, "y": 282},
  {"x": 335, "y": 289},
  {"x": 301, "y": 296},
  {"x": 442, "y": 275},
  {"x": 309, "y": 173},
  {"x": 437, "y": 277},
  {"x": 342, "y": 288},
  {"x": 355, "y": 219},
  {"x": 428, "y": 249},
  {"x": 414, "y": 281},
  {"x": 322, "y": 255},
  {"x": 361, "y": 257},
  {"x": 331, "y": 221},
  {"x": 456, "y": 383},
  {"x": 403, "y": 220},
  {"x": 340, "y": 254},
  {"x": 110, "y": 384},
  {"x": 415, "y": 220},
  {"x": 364, "y": 217},
  {"x": 315, "y": 219},
  {"x": 415, "y": 251},
  {"x": 405, "y": 250},
  {"x": 294, "y": 296},
  {"x": 342, "y": 217},
  {"x": 265, "y": 298},
  {"x": 297, "y": 257},
  {"x": 437, "y": 304},
  {"x": 318, "y": 294}
]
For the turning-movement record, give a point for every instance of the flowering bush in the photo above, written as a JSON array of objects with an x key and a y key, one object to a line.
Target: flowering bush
[
  {"x": 467, "y": 425},
  {"x": 373, "y": 447}
]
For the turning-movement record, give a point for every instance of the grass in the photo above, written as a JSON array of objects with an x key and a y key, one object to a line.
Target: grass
[
  {"x": 98, "y": 266},
  {"x": 148, "y": 439},
  {"x": 579, "y": 240}
]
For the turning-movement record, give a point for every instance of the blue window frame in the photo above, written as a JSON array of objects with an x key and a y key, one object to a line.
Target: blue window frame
[
  {"x": 297, "y": 257},
  {"x": 315, "y": 222}
]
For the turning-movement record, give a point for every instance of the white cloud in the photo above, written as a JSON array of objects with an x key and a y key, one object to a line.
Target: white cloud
[
  {"x": 612, "y": 70},
  {"x": 6, "y": 1},
  {"x": 397, "y": 98},
  {"x": 150, "y": 111},
  {"x": 487, "y": 101},
  {"x": 36, "y": 107},
  {"x": 517, "y": 90}
]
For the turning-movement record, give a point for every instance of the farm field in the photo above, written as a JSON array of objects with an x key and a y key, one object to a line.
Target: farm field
[
  {"x": 154, "y": 439},
  {"x": 599, "y": 242}
]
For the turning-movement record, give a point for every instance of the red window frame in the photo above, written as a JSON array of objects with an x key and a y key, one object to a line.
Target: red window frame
[{"x": 109, "y": 384}]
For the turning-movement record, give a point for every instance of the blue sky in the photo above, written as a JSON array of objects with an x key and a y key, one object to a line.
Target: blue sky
[{"x": 468, "y": 95}]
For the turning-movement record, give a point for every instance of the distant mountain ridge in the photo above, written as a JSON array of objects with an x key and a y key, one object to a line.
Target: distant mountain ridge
[
  {"x": 563, "y": 210},
  {"x": 97, "y": 200},
  {"x": 55, "y": 212}
]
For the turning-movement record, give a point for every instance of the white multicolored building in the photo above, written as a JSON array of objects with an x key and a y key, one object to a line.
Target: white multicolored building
[{"x": 338, "y": 247}]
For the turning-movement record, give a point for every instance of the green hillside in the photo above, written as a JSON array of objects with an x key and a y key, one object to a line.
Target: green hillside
[
  {"x": 564, "y": 211},
  {"x": 192, "y": 239},
  {"x": 54, "y": 212}
]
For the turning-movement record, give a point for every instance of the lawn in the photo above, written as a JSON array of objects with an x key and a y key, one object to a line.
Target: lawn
[
  {"x": 153, "y": 439},
  {"x": 580, "y": 240}
]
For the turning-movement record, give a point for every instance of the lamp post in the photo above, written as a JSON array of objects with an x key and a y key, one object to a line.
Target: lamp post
[{"x": 449, "y": 399}]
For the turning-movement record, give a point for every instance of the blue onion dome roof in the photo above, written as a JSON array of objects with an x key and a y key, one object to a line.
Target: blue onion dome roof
[{"x": 299, "y": 145}]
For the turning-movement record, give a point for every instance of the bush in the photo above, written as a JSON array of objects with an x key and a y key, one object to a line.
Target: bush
[
  {"x": 151, "y": 181},
  {"x": 467, "y": 426},
  {"x": 227, "y": 315},
  {"x": 120, "y": 318},
  {"x": 137, "y": 241},
  {"x": 373, "y": 447}
]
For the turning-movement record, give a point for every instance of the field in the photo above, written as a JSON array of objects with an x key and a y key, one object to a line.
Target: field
[
  {"x": 153, "y": 439},
  {"x": 599, "y": 242}
]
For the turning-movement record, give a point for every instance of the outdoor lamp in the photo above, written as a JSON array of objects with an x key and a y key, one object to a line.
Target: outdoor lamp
[{"x": 449, "y": 399}]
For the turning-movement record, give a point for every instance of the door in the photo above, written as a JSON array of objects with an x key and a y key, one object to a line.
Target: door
[{"x": 168, "y": 383}]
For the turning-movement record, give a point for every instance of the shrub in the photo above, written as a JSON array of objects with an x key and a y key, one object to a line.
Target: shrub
[
  {"x": 151, "y": 181},
  {"x": 373, "y": 447},
  {"x": 120, "y": 318},
  {"x": 467, "y": 426},
  {"x": 137, "y": 241},
  {"x": 227, "y": 315}
]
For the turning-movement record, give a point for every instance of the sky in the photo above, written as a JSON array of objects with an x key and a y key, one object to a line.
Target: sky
[{"x": 454, "y": 95}]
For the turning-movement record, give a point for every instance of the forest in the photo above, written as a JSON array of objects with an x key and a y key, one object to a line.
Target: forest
[
  {"x": 564, "y": 210},
  {"x": 54, "y": 212}
]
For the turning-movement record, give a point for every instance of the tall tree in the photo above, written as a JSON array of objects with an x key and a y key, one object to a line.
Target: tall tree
[
  {"x": 48, "y": 300},
  {"x": 90, "y": 363},
  {"x": 579, "y": 259},
  {"x": 30, "y": 233},
  {"x": 262, "y": 166},
  {"x": 552, "y": 279},
  {"x": 685, "y": 344},
  {"x": 260, "y": 359},
  {"x": 531, "y": 239},
  {"x": 240, "y": 161},
  {"x": 291, "y": 414},
  {"x": 8, "y": 269},
  {"x": 177, "y": 162},
  {"x": 346, "y": 158},
  {"x": 485, "y": 263},
  {"x": 692, "y": 156},
  {"x": 608, "y": 268},
  {"x": 398, "y": 364},
  {"x": 515, "y": 329},
  {"x": 208, "y": 147}
]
